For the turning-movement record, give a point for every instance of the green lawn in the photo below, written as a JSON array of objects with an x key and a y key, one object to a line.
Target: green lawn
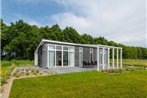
[{"x": 92, "y": 84}]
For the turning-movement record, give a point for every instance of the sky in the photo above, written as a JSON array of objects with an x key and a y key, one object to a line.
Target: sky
[{"x": 122, "y": 21}]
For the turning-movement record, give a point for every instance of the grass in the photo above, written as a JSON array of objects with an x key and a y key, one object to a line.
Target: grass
[
  {"x": 134, "y": 62},
  {"x": 90, "y": 84},
  {"x": 7, "y": 66}
]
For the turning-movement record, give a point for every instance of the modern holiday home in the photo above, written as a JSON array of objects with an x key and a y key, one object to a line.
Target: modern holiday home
[{"x": 50, "y": 53}]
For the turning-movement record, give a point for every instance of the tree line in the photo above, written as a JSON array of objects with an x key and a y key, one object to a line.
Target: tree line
[{"x": 19, "y": 40}]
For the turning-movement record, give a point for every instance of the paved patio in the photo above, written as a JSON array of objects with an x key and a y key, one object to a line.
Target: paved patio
[{"x": 61, "y": 70}]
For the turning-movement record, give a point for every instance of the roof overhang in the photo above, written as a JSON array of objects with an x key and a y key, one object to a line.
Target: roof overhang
[{"x": 74, "y": 44}]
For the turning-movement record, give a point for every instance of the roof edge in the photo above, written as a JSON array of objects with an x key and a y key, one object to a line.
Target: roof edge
[{"x": 76, "y": 44}]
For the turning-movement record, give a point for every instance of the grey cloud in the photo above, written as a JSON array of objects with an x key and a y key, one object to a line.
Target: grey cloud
[{"x": 123, "y": 21}]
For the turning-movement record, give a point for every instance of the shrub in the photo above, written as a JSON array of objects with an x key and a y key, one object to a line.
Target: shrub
[
  {"x": 112, "y": 70},
  {"x": 16, "y": 74},
  {"x": 126, "y": 68},
  {"x": 27, "y": 73}
]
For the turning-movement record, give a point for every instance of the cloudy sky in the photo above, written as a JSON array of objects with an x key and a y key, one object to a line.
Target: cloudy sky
[{"x": 123, "y": 21}]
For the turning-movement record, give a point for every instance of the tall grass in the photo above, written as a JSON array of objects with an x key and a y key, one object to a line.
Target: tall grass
[
  {"x": 16, "y": 63},
  {"x": 134, "y": 62},
  {"x": 7, "y": 66}
]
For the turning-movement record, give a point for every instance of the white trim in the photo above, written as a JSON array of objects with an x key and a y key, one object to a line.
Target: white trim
[
  {"x": 120, "y": 58},
  {"x": 62, "y": 56},
  {"x": 113, "y": 57},
  {"x": 108, "y": 58},
  {"x": 55, "y": 56},
  {"x": 117, "y": 58},
  {"x": 98, "y": 66},
  {"x": 103, "y": 58},
  {"x": 73, "y": 44},
  {"x": 74, "y": 57},
  {"x": 48, "y": 55},
  {"x": 36, "y": 58}
]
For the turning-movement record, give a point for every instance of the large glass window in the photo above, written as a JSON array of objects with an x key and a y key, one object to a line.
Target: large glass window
[
  {"x": 58, "y": 58},
  {"x": 65, "y": 58},
  {"x": 58, "y": 47},
  {"x": 65, "y": 48},
  {"x": 60, "y": 55},
  {"x": 71, "y": 48},
  {"x": 51, "y": 46}
]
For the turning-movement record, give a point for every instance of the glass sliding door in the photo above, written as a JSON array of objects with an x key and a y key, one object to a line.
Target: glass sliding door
[
  {"x": 71, "y": 53},
  {"x": 65, "y": 58},
  {"x": 51, "y": 58},
  {"x": 58, "y": 58},
  {"x": 60, "y": 55},
  {"x": 71, "y": 58},
  {"x": 51, "y": 55}
]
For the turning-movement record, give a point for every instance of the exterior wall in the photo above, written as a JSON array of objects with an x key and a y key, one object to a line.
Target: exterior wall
[
  {"x": 40, "y": 56},
  {"x": 106, "y": 58},
  {"x": 95, "y": 54},
  {"x": 86, "y": 54},
  {"x": 44, "y": 55},
  {"x": 76, "y": 56}
]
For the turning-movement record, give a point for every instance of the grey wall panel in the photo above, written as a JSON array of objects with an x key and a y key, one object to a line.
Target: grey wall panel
[
  {"x": 106, "y": 58},
  {"x": 95, "y": 54},
  {"x": 44, "y": 55},
  {"x": 100, "y": 56},
  {"x": 86, "y": 54},
  {"x": 40, "y": 56},
  {"x": 76, "y": 56}
]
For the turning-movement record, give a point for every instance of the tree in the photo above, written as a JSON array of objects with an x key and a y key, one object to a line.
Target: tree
[
  {"x": 19, "y": 40},
  {"x": 71, "y": 35}
]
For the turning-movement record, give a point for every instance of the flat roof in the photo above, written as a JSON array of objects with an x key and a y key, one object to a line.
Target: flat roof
[{"x": 74, "y": 44}]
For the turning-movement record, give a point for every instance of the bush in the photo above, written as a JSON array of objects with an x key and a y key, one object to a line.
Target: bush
[
  {"x": 127, "y": 68},
  {"x": 113, "y": 70},
  {"x": 8, "y": 66}
]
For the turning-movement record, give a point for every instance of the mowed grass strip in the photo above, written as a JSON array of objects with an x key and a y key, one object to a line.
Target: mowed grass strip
[{"x": 90, "y": 84}]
